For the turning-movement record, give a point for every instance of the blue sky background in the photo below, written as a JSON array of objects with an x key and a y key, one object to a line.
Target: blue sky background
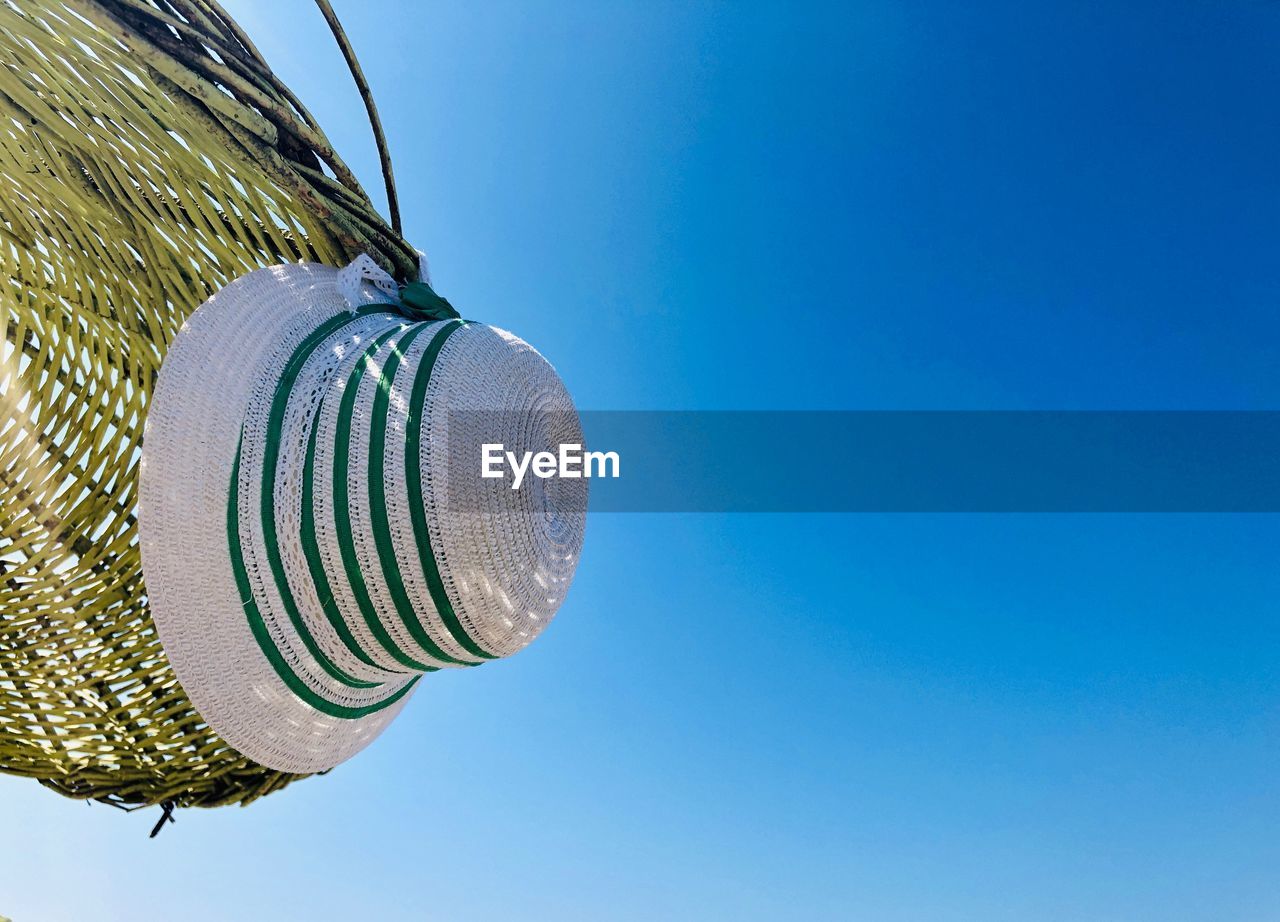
[{"x": 849, "y": 206}]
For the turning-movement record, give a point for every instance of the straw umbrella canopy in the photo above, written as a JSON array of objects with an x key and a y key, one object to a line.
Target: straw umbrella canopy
[{"x": 148, "y": 157}]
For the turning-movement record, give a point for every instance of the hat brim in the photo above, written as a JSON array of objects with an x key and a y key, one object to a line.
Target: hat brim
[{"x": 189, "y": 470}]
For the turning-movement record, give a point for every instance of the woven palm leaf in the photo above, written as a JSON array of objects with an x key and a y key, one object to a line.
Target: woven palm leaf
[{"x": 148, "y": 156}]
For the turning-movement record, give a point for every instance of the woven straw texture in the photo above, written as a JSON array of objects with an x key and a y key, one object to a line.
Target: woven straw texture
[
  {"x": 310, "y": 544},
  {"x": 148, "y": 157}
]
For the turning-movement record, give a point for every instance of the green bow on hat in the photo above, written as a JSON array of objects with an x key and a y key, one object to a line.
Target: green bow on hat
[{"x": 418, "y": 301}]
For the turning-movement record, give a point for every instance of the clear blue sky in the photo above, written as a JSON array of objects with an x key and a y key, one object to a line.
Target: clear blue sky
[{"x": 856, "y": 205}]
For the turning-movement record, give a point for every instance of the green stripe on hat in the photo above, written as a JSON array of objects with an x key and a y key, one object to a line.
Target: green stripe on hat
[
  {"x": 342, "y": 516},
  {"x": 263, "y": 636},
  {"x": 417, "y": 505},
  {"x": 377, "y": 487},
  {"x": 271, "y": 456},
  {"x": 315, "y": 561}
]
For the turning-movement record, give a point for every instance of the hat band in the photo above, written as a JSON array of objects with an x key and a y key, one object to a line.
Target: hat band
[
  {"x": 320, "y": 603},
  {"x": 258, "y": 627},
  {"x": 417, "y": 503},
  {"x": 270, "y": 464},
  {"x": 377, "y": 496}
]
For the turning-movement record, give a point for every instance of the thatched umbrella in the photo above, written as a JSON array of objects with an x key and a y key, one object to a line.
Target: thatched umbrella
[{"x": 148, "y": 156}]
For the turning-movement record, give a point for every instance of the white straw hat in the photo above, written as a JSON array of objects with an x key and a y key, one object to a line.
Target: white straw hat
[{"x": 308, "y": 546}]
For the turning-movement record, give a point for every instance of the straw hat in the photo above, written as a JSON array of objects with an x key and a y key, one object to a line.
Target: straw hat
[{"x": 311, "y": 545}]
